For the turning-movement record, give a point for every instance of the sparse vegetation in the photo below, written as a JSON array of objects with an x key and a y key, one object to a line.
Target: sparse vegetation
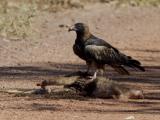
[
  {"x": 155, "y": 3},
  {"x": 15, "y": 22},
  {"x": 16, "y": 15},
  {"x": 15, "y": 27}
]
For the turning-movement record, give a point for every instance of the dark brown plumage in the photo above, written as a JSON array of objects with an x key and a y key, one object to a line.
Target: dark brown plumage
[{"x": 97, "y": 52}]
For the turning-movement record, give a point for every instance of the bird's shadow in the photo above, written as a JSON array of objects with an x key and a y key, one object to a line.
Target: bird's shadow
[
  {"x": 50, "y": 70},
  {"x": 150, "y": 77}
]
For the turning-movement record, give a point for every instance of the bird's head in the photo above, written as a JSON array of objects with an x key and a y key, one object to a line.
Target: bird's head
[{"x": 79, "y": 28}]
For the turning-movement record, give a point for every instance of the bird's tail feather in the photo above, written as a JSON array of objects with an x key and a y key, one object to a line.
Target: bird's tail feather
[
  {"x": 135, "y": 64},
  {"x": 120, "y": 70}
]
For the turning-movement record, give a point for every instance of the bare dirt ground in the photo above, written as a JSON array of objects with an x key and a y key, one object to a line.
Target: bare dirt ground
[{"x": 134, "y": 30}]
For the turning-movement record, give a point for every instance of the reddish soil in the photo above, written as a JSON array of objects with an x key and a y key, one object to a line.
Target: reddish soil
[{"x": 134, "y": 30}]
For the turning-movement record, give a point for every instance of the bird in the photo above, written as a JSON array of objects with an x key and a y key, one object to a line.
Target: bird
[{"x": 97, "y": 52}]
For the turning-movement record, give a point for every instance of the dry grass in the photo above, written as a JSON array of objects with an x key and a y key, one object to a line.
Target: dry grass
[
  {"x": 16, "y": 15},
  {"x": 15, "y": 22},
  {"x": 155, "y": 3}
]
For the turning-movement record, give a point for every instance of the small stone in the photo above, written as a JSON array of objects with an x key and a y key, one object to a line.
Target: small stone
[{"x": 130, "y": 118}]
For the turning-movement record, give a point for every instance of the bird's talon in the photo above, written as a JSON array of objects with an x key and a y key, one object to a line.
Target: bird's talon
[
  {"x": 90, "y": 80},
  {"x": 90, "y": 77}
]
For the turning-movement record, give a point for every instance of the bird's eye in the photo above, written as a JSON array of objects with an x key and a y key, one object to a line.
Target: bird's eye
[{"x": 80, "y": 28}]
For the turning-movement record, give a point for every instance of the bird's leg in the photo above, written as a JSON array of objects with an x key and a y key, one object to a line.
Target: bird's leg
[
  {"x": 102, "y": 70},
  {"x": 92, "y": 78},
  {"x": 88, "y": 67},
  {"x": 80, "y": 73},
  {"x": 87, "y": 71},
  {"x": 94, "y": 75}
]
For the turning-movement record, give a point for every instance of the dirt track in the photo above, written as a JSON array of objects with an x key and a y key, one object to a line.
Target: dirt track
[{"x": 135, "y": 31}]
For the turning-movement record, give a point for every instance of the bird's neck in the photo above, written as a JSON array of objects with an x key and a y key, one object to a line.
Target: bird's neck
[{"x": 83, "y": 36}]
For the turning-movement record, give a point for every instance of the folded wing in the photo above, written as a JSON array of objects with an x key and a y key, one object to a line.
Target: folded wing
[{"x": 112, "y": 57}]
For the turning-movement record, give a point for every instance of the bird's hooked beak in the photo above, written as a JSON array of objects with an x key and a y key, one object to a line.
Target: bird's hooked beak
[{"x": 72, "y": 28}]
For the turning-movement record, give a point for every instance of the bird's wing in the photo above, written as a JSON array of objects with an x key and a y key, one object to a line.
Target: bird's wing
[
  {"x": 105, "y": 55},
  {"x": 110, "y": 56},
  {"x": 102, "y": 54},
  {"x": 99, "y": 42}
]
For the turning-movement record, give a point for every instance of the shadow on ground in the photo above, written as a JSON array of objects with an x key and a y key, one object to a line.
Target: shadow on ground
[
  {"x": 150, "y": 76},
  {"x": 149, "y": 82}
]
